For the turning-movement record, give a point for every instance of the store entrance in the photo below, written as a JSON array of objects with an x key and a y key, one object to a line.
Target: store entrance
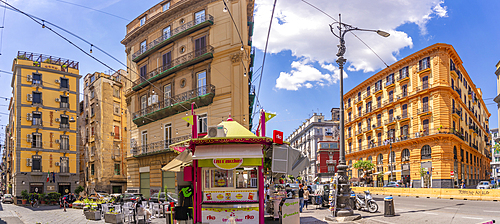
[{"x": 64, "y": 188}]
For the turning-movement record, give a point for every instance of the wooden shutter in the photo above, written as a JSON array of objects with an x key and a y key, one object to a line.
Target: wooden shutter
[
  {"x": 117, "y": 132},
  {"x": 167, "y": 60}
]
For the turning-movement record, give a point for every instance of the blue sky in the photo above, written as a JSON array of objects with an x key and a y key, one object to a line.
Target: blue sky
[{"x": 301, "y": 43}]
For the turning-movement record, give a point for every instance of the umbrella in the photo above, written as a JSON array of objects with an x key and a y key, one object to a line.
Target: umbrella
[{"x": 183, "y": 159}]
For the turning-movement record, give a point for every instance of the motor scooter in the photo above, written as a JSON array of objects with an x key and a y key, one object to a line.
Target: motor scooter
[{"x": 366, "y": 202}]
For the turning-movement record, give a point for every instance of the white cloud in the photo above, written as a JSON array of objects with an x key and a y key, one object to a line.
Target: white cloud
[
  {"x": 304, "y": 74},
  {"x": 306, "y": 33}
]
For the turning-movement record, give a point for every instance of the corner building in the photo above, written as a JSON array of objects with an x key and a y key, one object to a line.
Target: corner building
[
  {"x": 44, "y": 130},
  {"x": 425, "y": 108},
  {"x": 182, "y": 52}
]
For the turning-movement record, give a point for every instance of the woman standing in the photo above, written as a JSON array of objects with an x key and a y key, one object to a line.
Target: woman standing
[{"x": 306, "y": 196}]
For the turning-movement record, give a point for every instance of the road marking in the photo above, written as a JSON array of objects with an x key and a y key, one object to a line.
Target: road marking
[
  {"x": 421, "y": 205},
  {"x": 450, "y": 208},
  {"x": 466, "y": 217},
  {"x": 383, "y": 221},
  {"x": 429, "y": 213},
  {"x": 490, "y": 211}
]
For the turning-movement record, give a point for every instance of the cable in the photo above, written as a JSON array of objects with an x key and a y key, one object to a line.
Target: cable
[
  {"x": 1, "y": 32},
  {"x": 93, "y": 9}
]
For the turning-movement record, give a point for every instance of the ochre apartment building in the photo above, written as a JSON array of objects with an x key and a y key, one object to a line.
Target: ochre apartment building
[
  {"x": 427, "y": 109},
  {"x": 43, "y": 127},
  {"x": 180, "y": 53}
]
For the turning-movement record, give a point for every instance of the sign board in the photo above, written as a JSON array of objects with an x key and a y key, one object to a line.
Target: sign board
[
  {"x": 452, "y": 173},
  {"x": 290, "y": 211},
  {"x": 230, "y": 215},
  {"x": 278, "y": 137},
  {"x": 228, "y": 163},
  {"x": 230, "y": 196}
]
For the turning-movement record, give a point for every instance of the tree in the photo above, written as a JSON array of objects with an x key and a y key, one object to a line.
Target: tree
[
  {"x": 365, "y": 165},
  {"x": 78, "y": 190}
]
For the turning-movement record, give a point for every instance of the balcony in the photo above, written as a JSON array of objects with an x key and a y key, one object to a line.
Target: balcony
[
  {"x": 424, "y": 110},
  {"x": 64, "y": 105},
  {"x": 367, "y": 128},
  {"x": 177, "y": 64},
  {"x": 377, "y": 125},
  {"x": 330, "y": 161},
  {"x": 63, "y": 126},
  {"x": 389, "y": 84},
  {"x": 457, "y": 89},
  {"x": 156, "y": 147},
  {"x": 37, "y": 122},
  {"x": 366, "y": 95},
  {"x": 357, "y": 100},
  {"x": 403, "y": 77},
  {"x": 457, "y": 112},
  {"x": 423, "y": 87},
  {"x": 404, "y": 115},
  {"x": 390, "y": 120},
  {"x": 202, "y": 96},
  {"x": 175, "y": 34},
  {"x": 48, "y": 61},
  {"x": 402, "y": 96},
  {"x": 359, "y": 131}
]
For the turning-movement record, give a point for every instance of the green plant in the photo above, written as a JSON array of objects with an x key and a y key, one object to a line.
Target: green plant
[
  {"x": 291, "y": 177},
  {"x": 22, "y": 57},
  {"x": 25, "y": 194},
  {"x": 364, "y": 164},
  {"x": 41, "y": 196},
  {"x": 422, "y": 172},
  {"x": 47, "y": 60},
  {"x": 64, "y": 66},
  {"x": 79, "y": 189}
]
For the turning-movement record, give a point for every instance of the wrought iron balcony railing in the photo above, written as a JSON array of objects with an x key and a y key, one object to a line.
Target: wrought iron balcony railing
[
  {"x": 64, "y": 105},
  {"x": 424, "y": 109},
  {"x": 172, "y": 34},
  {"x": 176, "y": 62},
  {"x": 157, "y": 146},
  {"x": 424, "y": 87},
  {"x": 175, "y": 99},
  {"x": 43, "y": 58}
]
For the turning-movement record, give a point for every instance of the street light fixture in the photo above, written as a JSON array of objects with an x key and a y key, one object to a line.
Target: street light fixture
[{"x": 344, "y": 209}]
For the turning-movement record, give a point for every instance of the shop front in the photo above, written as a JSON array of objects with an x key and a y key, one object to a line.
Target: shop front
[{"x": 405, "y": 175}]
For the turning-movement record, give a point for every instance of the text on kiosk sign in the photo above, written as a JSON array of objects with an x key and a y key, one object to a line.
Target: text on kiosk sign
[{"x": 228, "y": 164}]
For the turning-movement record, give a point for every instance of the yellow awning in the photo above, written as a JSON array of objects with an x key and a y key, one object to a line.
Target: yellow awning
[{"x": 235, "y": 129}]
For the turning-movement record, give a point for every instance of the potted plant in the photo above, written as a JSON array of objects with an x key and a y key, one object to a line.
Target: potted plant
[
  {"x": 41, "y": 198},
  {"x": 64, "y": 68},
  {"x": 25, "y": 196},
  {"x": 36, "y": 63},
  {"x": 113, "y": 217},
  {"x": 93, "y": 214}
]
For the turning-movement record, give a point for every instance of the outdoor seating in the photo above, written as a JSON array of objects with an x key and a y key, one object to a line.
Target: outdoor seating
[
  {"x": 127, "y": 214},
  {"x": 155, "y": 209}
]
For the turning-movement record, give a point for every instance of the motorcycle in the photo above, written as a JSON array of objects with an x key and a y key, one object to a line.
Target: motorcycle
[{"x": 366, "y": 202}]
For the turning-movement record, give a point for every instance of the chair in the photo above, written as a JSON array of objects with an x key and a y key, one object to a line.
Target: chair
[
  {"x": 128, "y": 204},
  {"x": 127, "y": 213},
  {"x": 155, "y": 209},
  {"x": 104, "y": 209},
  {"x": 117, "y": 208},
  {"x": 144, "y": 203}
]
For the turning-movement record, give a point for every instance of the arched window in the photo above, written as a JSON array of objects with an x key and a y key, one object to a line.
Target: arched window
[
  {"x": 455, "y": 153},
  {"x": 426, "y": 152},
  {"x": 392, "y": 157},
  {"x": 405, "y": 155},
  {"x": 370, "y": 158},
  {"x": 380, "y": 159}
]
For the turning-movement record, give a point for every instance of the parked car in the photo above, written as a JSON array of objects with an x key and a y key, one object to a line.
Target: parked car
[
  {"x": 393, "y": 184},
  {"x": 170, "y": 197},
  {"x": 484, "y": 185},
  {"x": 128, "y": 197},
  {"x": 7, "y": 198}
]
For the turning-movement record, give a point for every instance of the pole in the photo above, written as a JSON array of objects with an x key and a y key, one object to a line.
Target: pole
[{"x": 390, "y": 158}]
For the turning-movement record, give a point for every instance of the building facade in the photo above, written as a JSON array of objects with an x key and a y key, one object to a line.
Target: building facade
[
  {"x": 7, "y": 159},
  {"x": 328, "y": 157},
  {"x": 495, "y": 155},
  {"x": 44, "y": 129},
  {"x": 306, "y": 138},
  {"x": 183, "y": 53},
  {"x": 103, "y": 127},
  {"x": 422, "y": 120}
]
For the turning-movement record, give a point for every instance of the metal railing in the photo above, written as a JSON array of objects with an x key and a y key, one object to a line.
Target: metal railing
[
  {"x": 402, "y": 95},
  {"x": 457, "y": 89},
  {"x": 39, "y": 58},
  {"x": 389, "y": 83},
  {"x": 64, "y": 105},
  {"x": 457, "y": 112},
  {"x": 37, "y": 122},
  {"x": 62, "y": 125},
  {"x": 157, "y": 146},
  {"x": 390, "y": 120},
  {"x": 402, "y": 76},
  {"x": 180, "y": 60},
  {"x": 424, "y": 87},
  {"x": 404, "y": 115},
  {"x": 424, "y": 109},
  {"x": 172, "y": 33},
  {"x": 175, "y": 99}
]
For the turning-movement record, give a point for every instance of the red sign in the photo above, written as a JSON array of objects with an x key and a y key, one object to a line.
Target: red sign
[
  {"x": 452, "y": 173},
  {"x": 278, "y": 137}
]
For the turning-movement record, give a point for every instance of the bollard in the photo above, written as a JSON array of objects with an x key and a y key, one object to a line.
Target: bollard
[{"x": 388, "y": 207}]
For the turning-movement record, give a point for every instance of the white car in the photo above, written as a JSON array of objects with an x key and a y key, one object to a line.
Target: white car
[{"x": 484, "y": 185}]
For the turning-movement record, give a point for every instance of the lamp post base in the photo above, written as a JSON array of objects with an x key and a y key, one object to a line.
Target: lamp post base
[{"x": 343, "y": 219}]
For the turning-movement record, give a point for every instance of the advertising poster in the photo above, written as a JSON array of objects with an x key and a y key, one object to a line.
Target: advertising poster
[
  {"x": 228, "y": 215},
  {"x": 290, "y": 211},
  {"x": 230, "y": 196}
]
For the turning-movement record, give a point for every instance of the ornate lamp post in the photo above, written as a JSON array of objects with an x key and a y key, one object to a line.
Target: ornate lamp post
[{"x": 343, "y": 206}]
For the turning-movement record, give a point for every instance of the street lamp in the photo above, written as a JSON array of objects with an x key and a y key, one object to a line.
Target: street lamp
[{"x": 343, "y": 206}]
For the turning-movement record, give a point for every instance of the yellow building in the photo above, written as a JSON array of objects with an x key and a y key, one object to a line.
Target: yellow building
[
  {"x": 44, "y": 130},
  {"x": 426, "y": 110},
  {"x": 184, "y": 52},
  {"x": 103, "y": 127}
]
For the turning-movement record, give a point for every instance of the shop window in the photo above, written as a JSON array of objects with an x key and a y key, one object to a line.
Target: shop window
[
  {"x": 246, "y": 178},
  {"x": 426, "y": 152},
  {"x": 117, "y": 169},
  {"x": 219, "y": 178}
]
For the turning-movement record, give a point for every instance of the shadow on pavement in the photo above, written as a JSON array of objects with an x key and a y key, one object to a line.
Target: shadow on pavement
[{"x": 44, "y": 208}]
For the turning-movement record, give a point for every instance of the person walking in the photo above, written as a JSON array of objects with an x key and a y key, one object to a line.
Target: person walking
[
  {"x": 306, "y": 196},
  {"x": 301, "y": 197},
  {"x": 463, "y": 184},
  {"x": 65, "y": 202}
]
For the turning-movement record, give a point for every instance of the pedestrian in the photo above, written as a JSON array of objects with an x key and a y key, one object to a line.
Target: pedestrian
[
  {"x": 35, "y": 199},
  {"x": 306, "y": 196},
  {"x": 65, "y": 202},
  {"x": 301, "y": 197},
  {"x": 463, "y": 184}
]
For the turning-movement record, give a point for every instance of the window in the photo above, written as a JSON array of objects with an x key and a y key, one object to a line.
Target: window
[
  {"x": 391, "y": 96},
  {"x": 64, "y": 102},
  {"x": 116, "y": 91},
  {"x": 359, "y": 111},
  {"x": 200, "y": 46},
  {"x": 92, "y": 78},
  {"x": 403, "y": 73},
  {"x": 143, "y": 20},
  {"x": 466, "y": 157},
  {"x": 92, "y": 110},
  {"x": 64, "y": 121},
  {"x": 117, "y": 132},
  {"x": 425, "y": 104},
  {"x": 143, "y": 71},
  {"x": 426, "y": 152},
  {"x": 64, "y": 165},
  {"x": 36, "y": 141},
  {"x": 167, "y": 94},
  {"x": 86, "y": 84},
  {"x": 117, "y": 169},
  {"x": 199, "y": 17},
  {"x": 64, "y": 83},
  {"x": 378, "y": 85},
  {"x": 349, "y": 102},
  {"x": 167, "y": 60},
  {"x": 380, "y": 159},
  {"x": 64, "y": 142},
  {"x": 37, "y": 98},
  {"x": 37, "y": 118},
  {"x": 36, "y": 163},
  {"x": 92, "y": 94},
  {"x": 404, "y": 90},
  {"x": 37, "y": 78},
  {"x": 168, "y": 135},
  {"x": 368, "y": 91},
  {"x": 246, "y": 178},
  {"x": 116, "y": 109},
  {"x": 405, "y": 155},
  {"x": 359, "y": 96},
  {"x": 143, "y": 47},
  {"x": 369, "y": 107},
  {"x": 424, "y": 63},
  {"x": 462, "y": 155},
  {"x": 92, "y": 131},
  {"x": 425, "y": 82},
  {"x": 202, "y": 123},
  {"x": 379, "y": 102},
  {"x": 404, "y": 112},
  {"x": 166, "y": 33},
  {"x": 166, "y": 6},
  {"x": 202, "y": 82},
  {"x": 144, "y": 138},
  {"x": 389, "y": 79},
  {"x": 218, "y": 178},
  {"x": 92, "y": 169}
]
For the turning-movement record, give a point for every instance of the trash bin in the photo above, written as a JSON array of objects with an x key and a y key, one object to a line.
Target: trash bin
[
  {"x": 352, "y": 200},
  {"x": 388, "y": 207}
]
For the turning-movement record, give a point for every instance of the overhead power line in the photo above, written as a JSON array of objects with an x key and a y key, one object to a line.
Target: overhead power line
[{"x": 97, "y": 10}]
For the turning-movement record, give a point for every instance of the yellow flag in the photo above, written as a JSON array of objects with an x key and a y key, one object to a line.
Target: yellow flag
[
  {"x": 269, "y": 116},
  {"x": 189, "y": 119}
]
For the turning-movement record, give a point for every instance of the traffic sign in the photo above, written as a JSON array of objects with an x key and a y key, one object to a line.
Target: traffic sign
[{"x": 452, "y": 173}]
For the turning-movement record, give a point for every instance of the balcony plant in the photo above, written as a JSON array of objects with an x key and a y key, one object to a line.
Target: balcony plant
[
  {"x": 22, "y": 57},
  {"x": 36, "y": 63}
]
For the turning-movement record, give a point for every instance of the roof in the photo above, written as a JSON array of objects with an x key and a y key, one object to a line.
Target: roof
[{"x": 235, "y": 129}]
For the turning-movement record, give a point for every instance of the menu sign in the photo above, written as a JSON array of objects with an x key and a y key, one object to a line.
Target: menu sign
[
  {"x": 230, "y": 196},
  {"x": 228, "y": 163},
  {"x": 230, "y": 215}
]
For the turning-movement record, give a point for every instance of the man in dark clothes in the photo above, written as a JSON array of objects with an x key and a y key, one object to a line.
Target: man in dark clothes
[{"x": 301, "y": 197}]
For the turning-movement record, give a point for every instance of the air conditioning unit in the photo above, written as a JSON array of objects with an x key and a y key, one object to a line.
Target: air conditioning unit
[
  {"x": 58, "y": 100},
  {"x": 29, "y": 138},
  {"x": 29, "y": 162},
  {"x": 29, "y": 78},
  {"x": 154, "y": 99},
  {"x": 58, "y": 119},
  {"x": 29, "y": 116},
  {"x": 57, "y": 81},
  {"x": 58, "y": 141},
  {"x": 29, "y": 97},
  {"x": 58, "y": 164},
  {"x": 216, "y": 131},
  {"x": 149, "y": 101}
]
